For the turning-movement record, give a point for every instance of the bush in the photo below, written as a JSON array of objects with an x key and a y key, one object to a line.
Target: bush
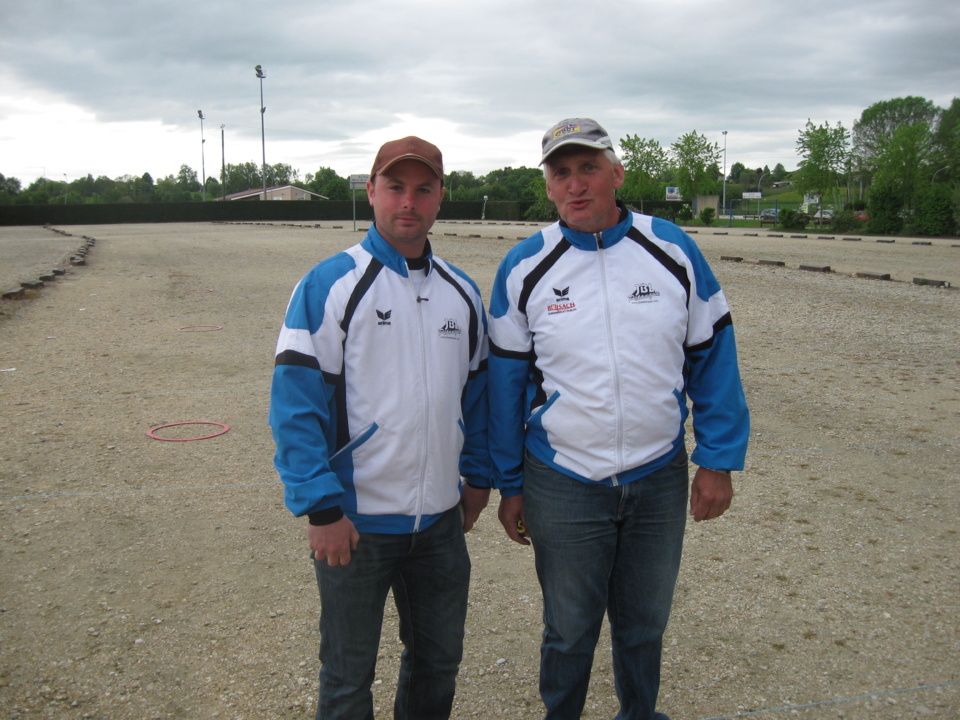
[
  {"x": 541, "y": 211},
  {"x": 792, "y": 219},
  {"x": 663, "y": 213},
  {"x": 884, "y": 209},
  {"x": 935, "y": 214},
  {"x": 685, "y": 213},
  {"x": 706, "y": 216},
  {"x": 844, "y": 221}
]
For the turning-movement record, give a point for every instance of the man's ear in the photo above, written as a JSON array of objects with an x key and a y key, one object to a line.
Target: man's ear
[{"x": 618, "y": 176}]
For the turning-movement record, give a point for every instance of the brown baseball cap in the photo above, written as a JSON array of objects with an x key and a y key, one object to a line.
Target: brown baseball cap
[{"x": 408, "y": 148}]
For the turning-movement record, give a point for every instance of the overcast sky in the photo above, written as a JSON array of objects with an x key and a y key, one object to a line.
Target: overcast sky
[{"x": 110, "y": 88}]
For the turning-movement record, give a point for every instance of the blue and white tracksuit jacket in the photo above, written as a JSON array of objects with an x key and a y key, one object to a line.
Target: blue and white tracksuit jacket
[
  {"x": 597, "y": 341},
  {"x": 378, "y": 403}
]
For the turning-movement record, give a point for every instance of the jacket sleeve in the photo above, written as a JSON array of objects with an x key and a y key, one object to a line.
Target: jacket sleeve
[
  {"x": 475, "y": 455},
  {"x": 511, "y": 352},
  {"x": 302, "y": 407},
  {"x": 721, "y": 421}
]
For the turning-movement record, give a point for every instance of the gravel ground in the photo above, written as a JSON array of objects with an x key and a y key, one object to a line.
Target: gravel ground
[{"x": 147, "y": 579}]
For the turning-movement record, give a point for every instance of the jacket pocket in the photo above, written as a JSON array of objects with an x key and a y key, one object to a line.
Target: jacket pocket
[
  {"x": 339, "y": 457},
  {"x": 537, "y": 417}
]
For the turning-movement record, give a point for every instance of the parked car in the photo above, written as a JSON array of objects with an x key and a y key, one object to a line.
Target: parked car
[
  {"x": 822, "y": 217},
  {"x": 768, "y": 214},
  {"x": 861, "y": 215}
]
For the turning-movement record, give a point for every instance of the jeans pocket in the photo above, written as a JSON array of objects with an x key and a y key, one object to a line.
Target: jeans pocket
[
  {"x": 680, "y": 460},
  {"x": 529, "y": 459}
]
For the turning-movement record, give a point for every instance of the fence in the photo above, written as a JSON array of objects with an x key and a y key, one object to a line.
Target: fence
[{"x": 239, "y": 211}]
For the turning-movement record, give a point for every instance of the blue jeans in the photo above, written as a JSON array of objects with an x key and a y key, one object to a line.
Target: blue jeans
[
  {"x": 429, "y": 573},
  {"x": 604, "y": 549}
]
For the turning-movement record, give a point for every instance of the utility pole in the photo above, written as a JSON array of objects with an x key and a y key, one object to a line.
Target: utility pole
[{"x": 724, "y": 169}]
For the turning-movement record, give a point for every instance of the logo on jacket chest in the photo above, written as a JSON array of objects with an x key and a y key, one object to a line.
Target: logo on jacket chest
[
  {"x": 384, "y": 317},
  {"x": 643, "y": 293},
  {"x": 450, "y": 330},
  {"x": 562, "y": 303}
]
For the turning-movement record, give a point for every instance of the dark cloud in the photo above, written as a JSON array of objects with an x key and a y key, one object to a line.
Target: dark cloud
[{"x": 339, "y": 71}]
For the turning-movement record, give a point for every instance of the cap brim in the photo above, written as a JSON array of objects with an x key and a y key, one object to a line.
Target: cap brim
[
  {"x": 573, "y": 141},
  {"x": 411, "y": 156}
]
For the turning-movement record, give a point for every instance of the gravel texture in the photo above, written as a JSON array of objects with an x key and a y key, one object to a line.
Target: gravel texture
[{"x": 148, "y": 579}]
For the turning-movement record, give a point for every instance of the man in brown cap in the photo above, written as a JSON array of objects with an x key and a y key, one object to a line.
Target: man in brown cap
[{"x": 379, "y": 414}]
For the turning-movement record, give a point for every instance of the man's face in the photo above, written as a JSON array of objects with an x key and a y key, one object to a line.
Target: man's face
[
  {"x": 582, "y": 183},
  {"x": 405, "y": 199}
]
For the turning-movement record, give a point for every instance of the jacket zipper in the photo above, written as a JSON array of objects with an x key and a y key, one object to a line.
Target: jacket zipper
[
  {"x": 613, "y": 365},
  {"x": 425, "y": 405}
]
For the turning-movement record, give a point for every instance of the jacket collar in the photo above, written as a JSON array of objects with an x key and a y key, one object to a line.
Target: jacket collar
[
  {"x": 383, "y": 251},
  {"x": 607, "y": 238}
]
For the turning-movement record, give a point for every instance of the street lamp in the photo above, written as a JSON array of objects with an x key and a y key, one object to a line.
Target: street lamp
[
  {"x": 760, "y": 190},
  {"x": 724, "y": 169},
  {"x": 263, "y": 137},
  {"x": 203, "y": 162},
  {"x": 64, "y": 188},
  {"x": 483, "y": 214},
  {"x": 934, "y": 178}
]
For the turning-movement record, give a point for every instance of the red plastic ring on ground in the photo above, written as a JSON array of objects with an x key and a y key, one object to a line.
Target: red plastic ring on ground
[
  {"x": 200, "y": 328},
  {"x": 151, "y": 432}
]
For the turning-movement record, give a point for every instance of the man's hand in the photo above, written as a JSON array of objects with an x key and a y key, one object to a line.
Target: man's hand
[
  {"x": 710, "y": 494},
  {"x": 511, "y": 517},
  {"x": 473, "y": 500},
  {"x": 333, "y": 542}
]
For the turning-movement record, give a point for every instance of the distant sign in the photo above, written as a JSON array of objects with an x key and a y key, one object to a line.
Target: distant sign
[
  {"x": 673, "y": 193},
  {"x": 359, "y": 182},
  {"x": 752, "y": 196}
]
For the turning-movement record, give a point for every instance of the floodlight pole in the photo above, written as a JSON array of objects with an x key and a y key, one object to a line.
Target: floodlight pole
[
  {"x": 203, "y": 162},
  {"x": 64, "y": 188},
  {"x": 263, "y": 137},
  {"x": 223, "y": 167}
]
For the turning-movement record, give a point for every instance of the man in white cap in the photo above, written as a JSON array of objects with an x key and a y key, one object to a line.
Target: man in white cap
[
  {"x": 378, "y": 408},
  {"x": 602, "y": 326}
]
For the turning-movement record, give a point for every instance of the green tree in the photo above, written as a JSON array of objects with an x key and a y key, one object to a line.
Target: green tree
[
  {"x": 696, "y": 163},
  {"x": 176, "y": 188},
  {"x": 282, "y": 174},
  {"x": 462, "y": 185},
  {"x": 779, "y": 172},
  {"x": 749, "y": 178},
  {"x": 874, "y": 132},
  {"x": 244, "y": 176},
  {"x": 543, "y": 209},
  {"x": 735, "y": 170},
  {"x": 947, "y": 144},
  {"x": 644, "y": 164},
  {"x": 186, "y": 180},
  {"x": 905, "y": 164},
  {"x": 9, "y": 189},
  {"x": 824, "y": 152},
  {"x": 326, "y": 182},
  {"x": 511, "y": 184},
  {"x": 214, "y": 189}
]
